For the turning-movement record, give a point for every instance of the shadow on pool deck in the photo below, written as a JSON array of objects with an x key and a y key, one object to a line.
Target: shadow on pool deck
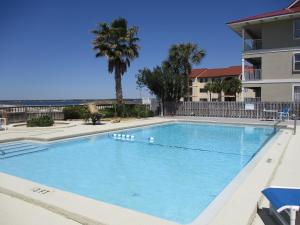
[{"x": 270, "y": 220}]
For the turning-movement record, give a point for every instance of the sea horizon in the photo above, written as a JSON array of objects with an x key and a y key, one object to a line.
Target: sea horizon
[{"x": 56, "y": 102}]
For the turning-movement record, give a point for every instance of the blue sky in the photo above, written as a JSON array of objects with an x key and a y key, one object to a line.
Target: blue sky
[{"x": 46, "y": 51}]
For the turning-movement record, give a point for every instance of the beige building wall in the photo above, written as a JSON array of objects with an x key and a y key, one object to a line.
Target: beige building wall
[
  {"x": 276, "y": 65},
  {"x": 279, "y": 34},
  {"x": 275, "y": 92},
  {"x": 199, "y": 96}
]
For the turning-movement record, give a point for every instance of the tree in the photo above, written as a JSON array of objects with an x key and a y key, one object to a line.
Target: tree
[
  {"x": 208, "y": 87},
  {"x": 217, "y": 87},
  {"x": 183, "y": 57},
  {"x": 118, "y": 43},
  {"x": 232, "y": 86},
  {"x": 162, "y": 81}
]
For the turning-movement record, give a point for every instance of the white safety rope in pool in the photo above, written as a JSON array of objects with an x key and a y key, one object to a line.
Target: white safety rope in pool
[{"x": 123, "y": 137}]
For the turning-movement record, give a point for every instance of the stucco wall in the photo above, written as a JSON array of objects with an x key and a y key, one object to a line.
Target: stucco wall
[
  {"x": 276, "y": 65},
  {"x": 277, "y": 92},
  {"x": 279, "y": 34}
]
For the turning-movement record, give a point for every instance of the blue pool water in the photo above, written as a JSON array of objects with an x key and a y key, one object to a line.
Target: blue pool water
[{"x": 174, "y": 178}]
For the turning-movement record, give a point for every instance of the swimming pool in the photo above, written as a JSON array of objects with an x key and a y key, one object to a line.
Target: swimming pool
[{"x": 175, "y": 178}]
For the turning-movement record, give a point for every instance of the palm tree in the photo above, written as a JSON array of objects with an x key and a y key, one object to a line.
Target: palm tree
[
  {"x": 217, "y": 87},
  {"x": 209, "y": 88},
  {"x": 232, "y": 86},
  {"x": 118, "y": 43},
  {"x": 184, "y": 56}
]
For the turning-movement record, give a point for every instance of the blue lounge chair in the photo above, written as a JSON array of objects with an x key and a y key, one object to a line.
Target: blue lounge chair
[
  {"x": 283, "y": 199},
  {"x": 285, "y": 114}
]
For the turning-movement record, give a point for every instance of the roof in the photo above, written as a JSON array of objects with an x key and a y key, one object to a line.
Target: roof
[
  {"x": 216, "y": 72},
  {"x": 291, "y": 9}
]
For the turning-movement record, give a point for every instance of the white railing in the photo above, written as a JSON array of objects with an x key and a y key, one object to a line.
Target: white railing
[
  {"x": 252, "y": 44},
  {"x": 252, "y": 74},
  {"x": 297, "y": 97}
]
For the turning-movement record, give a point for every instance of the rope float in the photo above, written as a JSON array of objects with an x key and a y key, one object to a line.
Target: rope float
[
  {"x": 127, "y": 137},
  {"x": 150, "y": 140}
]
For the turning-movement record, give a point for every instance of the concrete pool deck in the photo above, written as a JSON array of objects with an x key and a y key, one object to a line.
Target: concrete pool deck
[{"x": 239, "y": 207}]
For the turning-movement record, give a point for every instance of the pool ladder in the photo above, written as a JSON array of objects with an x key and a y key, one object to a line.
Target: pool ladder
[{"x": 19, "y": 148}]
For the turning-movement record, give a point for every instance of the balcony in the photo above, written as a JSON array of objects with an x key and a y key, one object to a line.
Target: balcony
[
  {"x": 297, "y": 97},
  {"x": 252, "y": 74},
  {"x": 252, "y": 44}
]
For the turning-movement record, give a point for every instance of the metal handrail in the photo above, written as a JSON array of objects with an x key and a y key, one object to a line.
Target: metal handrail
[
  {"x": 252, "y": 74},
  {"x": 252, "y": 44},
  {"x": 297, "y": 97}
]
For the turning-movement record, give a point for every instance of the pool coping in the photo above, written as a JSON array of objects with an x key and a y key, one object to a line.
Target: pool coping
[
  {"x": 24, "y": 191},
  {"x": 82, "y": 134}
]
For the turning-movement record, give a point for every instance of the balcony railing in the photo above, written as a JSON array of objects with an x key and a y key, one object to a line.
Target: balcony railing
[
  {"x": 252, "y": 44},
  {"x": 252, "y": 74},
  {"x": 297, "y": 97}
]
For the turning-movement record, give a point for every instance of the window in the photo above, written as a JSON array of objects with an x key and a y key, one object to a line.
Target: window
[
  {"x": 202, "y": 80},
  {"x": 190, "y": 82},
  {"x": 214, "y": 100},
  {"x": 191, "y": 91},
  {"x": 297, "y": 29},
  {"x": 297, "y": 62},
  {"x": 203, "y": 99},
  {"x": 202, "y": 90}
]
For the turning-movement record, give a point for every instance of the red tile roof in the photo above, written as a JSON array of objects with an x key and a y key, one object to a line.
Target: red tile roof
[
  {"x": 218, "y": 72},
  {"x": 293, "y": 8}
]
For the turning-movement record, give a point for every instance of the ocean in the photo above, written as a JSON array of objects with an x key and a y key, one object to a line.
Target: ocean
[{"x": 65, "y": 102}]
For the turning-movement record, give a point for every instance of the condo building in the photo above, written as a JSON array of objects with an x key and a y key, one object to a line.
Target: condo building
[
  {"x": 200, "y": 77},
  {"x": 271, "y": 54}
]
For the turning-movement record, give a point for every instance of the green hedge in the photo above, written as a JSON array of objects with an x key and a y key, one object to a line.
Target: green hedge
[
  {"x": 81, "y": 112},
  {"x": 139, "y": 111},
  {"x": 42, "y": 121},
  {"x": 76, "y": 112},
  {"x": 107, "y": 112}
]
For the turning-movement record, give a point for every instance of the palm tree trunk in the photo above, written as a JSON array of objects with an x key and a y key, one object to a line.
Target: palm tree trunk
[
  {"x": 188, "y": 87},
  {"x": 220, "y": 97},
  {"x": 118, "y": 86}
]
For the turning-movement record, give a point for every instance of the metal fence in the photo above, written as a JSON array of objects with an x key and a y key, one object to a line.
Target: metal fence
[
  {"x": 18, "y": 114},
  {"x": 259, "y": 110},
  {"x": 23, "y": 113}
]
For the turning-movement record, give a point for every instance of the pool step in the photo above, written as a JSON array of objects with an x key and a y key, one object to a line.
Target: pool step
[
  {"x": 12, "y": 150},
  {"x": 17, "y": 146}
]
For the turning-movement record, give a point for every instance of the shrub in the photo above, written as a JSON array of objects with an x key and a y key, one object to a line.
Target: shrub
[
  {"x": 75, "y": 112},
  {"x": 82, "y": 112},
  {"x": 107, "y": 112},
  {"x": 142, "y": 111},
  {"x": 42, "y": 121},
  {"x": 95, "y": 117},
  {"x": 139, "y": 111}
]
